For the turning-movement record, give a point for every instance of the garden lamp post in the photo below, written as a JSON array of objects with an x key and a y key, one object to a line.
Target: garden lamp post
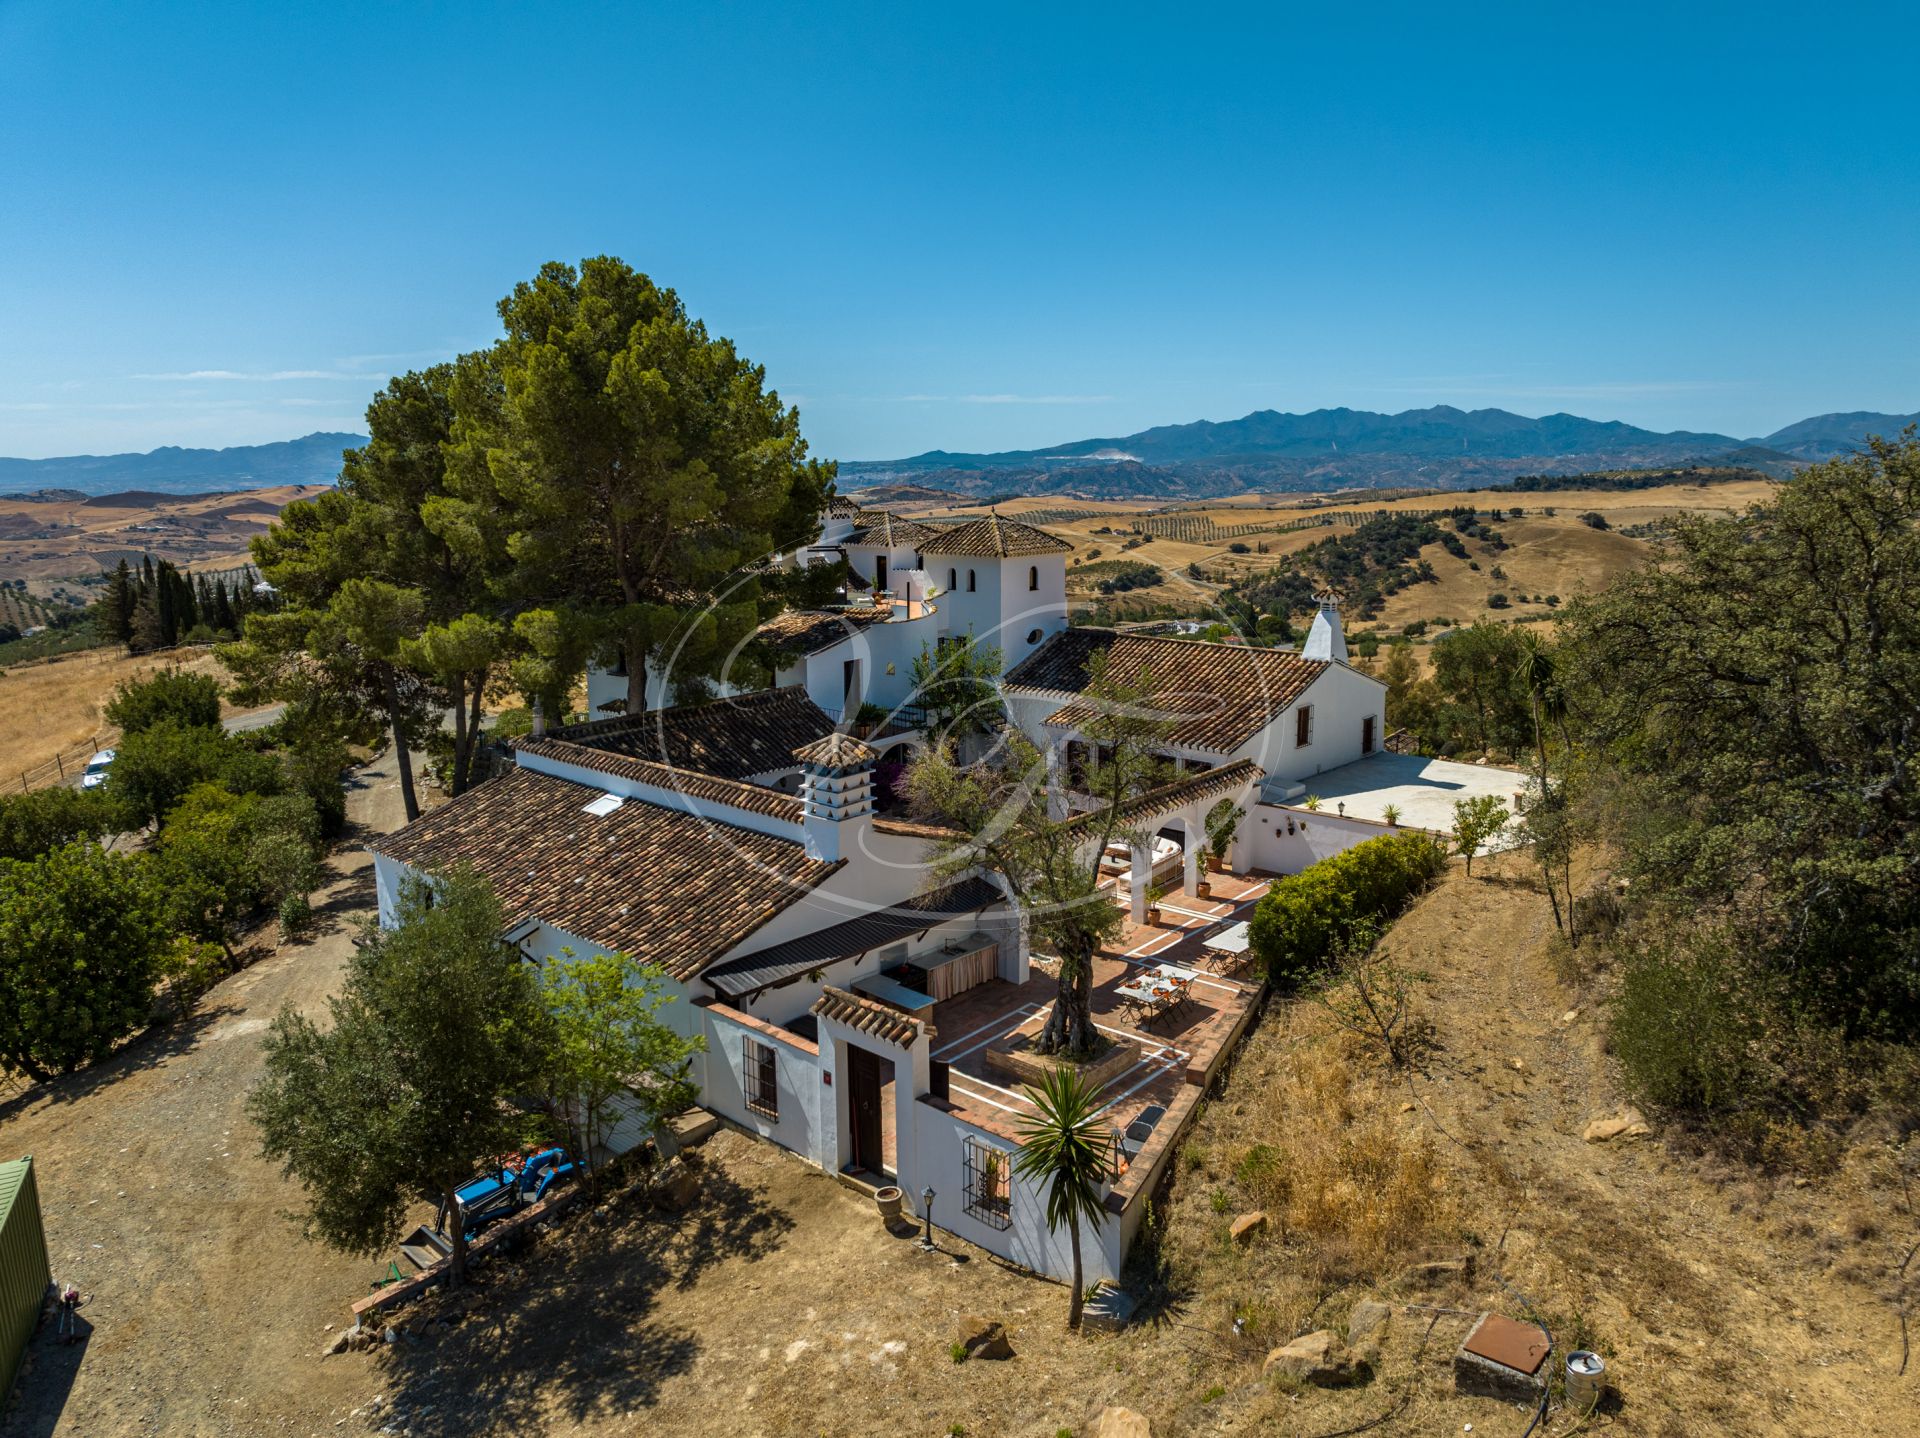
[{"x": 926, "y": 1214}]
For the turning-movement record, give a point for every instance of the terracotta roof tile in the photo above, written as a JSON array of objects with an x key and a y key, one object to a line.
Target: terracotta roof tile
[
  {"x": 992, "y": 537},
  {"x": 837, "y": 751},
  {"x": 886, "y": 530},
  {"x": 753, "y": 798},
  {"x": 808, "y": 631},
  {"x": 732, "y": 738},
  {"x": 1224, "y": 780},
  {"x": 1216, "y": 696},
  {"x": 868, "y": 1016},
  {"x": 668, "y": 887}
]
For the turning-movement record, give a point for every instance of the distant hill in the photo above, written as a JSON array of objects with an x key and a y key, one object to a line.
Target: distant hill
[
  {"x": 1437, "y": 448},
  {"x": 1827, "y": 435},
  {"x": 311, "y": 459}
]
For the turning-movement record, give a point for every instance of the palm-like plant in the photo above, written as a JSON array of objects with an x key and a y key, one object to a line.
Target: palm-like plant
[{"x": 1065, "y": 1149}]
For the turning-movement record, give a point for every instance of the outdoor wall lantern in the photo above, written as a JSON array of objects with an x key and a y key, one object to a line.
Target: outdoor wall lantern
[
  {"x": 926, "y": 1211},
  {"x": 1342, "y": 807}
]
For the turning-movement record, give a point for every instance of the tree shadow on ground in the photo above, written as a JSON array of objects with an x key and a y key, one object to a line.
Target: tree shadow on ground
[
  {"x": 568, "y": 1328},
  {"x": 148, "y": 1049}
]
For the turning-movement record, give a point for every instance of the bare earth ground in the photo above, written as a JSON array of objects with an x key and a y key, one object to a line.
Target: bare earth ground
[
  {"x": 200, "y": 1296},
  {"x": 778, "y": 1305}
]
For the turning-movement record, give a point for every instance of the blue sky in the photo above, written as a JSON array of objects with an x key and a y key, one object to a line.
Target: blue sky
[{"x": 966, "y": 227}]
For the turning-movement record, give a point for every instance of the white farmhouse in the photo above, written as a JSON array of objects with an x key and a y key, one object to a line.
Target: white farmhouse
[{"x": 878, "y": 1025}]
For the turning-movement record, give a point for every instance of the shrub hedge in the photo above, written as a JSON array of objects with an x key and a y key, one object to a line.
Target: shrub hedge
[{"x": 1303, "y": 916}]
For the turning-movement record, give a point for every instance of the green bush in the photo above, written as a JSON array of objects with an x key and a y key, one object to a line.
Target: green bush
[
  {"x": 1680, "y": 1026},
  {"x": 1304, "y": 916},
  {"x": 154, "y": 768},
  {"x": 80, "y": 949},
  {"x": 31, "y": 824},
  {"x": 190, "y": 700}
]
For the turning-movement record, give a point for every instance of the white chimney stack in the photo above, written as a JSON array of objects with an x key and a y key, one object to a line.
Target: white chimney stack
[
  {"x": 1325, "y": 640},
  {"x": 836, "y": 794}
]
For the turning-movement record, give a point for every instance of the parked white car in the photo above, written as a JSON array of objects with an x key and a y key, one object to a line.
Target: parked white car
[{"x": 95, "y": 773}]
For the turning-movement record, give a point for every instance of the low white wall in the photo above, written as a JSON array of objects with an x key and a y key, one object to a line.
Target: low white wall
[
  {"x": 1315, "y": 835},
  {"x": 1028, "y": 1241},
  {"x": 805, "y": 1120}
]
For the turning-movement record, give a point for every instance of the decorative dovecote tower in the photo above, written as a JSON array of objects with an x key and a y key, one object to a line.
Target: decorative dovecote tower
[
  {"x": 1325, "y": 640},
  {"x": 836, "y": 794}
]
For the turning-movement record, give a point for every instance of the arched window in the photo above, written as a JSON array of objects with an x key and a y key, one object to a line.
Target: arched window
[
  {"x": 1033, "y": 576},
  {"x": 970, "y": 581}
]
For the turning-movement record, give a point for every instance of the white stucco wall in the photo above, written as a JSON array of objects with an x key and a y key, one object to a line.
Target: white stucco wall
[
  {"x": 1027, "y": 1241},
  {"x": 1316, "y": 835},
  {"x": 805, "y": 1120},
  {"x": 1342, "y": 699}
]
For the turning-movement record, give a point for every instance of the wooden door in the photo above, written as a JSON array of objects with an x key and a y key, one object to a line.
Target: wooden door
[{"x": 863, "y": 1098}]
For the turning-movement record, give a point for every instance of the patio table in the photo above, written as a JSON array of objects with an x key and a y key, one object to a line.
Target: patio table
[{"x": 1231, "y": 944}]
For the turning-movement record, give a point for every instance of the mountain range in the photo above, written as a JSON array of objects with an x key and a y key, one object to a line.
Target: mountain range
[
  {"x": 1437, "y": 448},
  {"x": 311, "y": 459},
  {"x": 1441, "y": 448}
]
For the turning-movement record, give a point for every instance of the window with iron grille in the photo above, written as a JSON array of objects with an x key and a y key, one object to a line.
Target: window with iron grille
[
  {"x": 989, "y": 1175},
  {"x": 763, "y": 1087}
]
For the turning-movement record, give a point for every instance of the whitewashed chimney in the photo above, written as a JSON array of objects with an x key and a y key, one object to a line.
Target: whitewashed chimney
[
  {"x": 1325, "y": 640},
  {"x": 836, "y": 794}
]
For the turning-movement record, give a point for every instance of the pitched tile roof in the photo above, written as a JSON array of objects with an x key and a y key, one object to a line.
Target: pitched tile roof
[
  {"x": 994, "y": 538},
  {"x": 886, "y": 530},
  {"x": 668, "y": 887},
  {"x": 868, "y": 1016},
  {"x": 840, "y": 507},
  {"x": 808, "y": 631},
  {"x": 733, "y": 738},
  {"x": 733, "y": 793},
  {"x": 1224, "y": 780},
  {"x": 1217, "y": 696},
  {"x": 837, "y": 751},
  {"x": 782, "y": 963}
]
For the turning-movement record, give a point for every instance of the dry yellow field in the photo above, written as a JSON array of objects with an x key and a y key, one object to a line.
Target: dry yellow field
[
  {"x": 1547, "y": 555},
  {"x": 55, "y": 706}
]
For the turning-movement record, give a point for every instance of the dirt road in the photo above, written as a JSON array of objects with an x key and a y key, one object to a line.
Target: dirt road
[{"x": 201, "y": 1297}]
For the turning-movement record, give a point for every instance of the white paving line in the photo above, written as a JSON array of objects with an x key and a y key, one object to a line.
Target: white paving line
[
  {"x": 982, "y": 1098},
  {"x": 1117, "y": 1098},
  {"x": 1025, "y": 1012}
]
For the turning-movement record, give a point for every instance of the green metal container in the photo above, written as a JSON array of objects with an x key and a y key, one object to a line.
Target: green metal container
[{"x": 24, "y": 1271}]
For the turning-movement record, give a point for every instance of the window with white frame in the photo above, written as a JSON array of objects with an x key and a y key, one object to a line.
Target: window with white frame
[
  {"x": 760, "y": 1074},
  {"x": 1303, "y": 726},
  {"x": 989, "y": 1178}
]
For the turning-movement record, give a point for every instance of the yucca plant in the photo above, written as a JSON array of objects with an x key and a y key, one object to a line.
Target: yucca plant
[{"x": 1065, "y": 1149}]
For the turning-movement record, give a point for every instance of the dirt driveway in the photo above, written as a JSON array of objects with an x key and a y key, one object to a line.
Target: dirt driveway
[{"x": 200, "y": 1295}]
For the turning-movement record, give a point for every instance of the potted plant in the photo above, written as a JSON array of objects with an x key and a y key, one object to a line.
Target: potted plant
[
  {"x": 1155, "y": 893},
  {"x": 1312, "y": 803},
  {"x": 1391, "y": 813},
  {"x": 1222, "y": 824}
]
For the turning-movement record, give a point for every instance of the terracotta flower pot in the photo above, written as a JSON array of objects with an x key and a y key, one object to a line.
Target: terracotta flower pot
[{"x": 1202, "y": 889}]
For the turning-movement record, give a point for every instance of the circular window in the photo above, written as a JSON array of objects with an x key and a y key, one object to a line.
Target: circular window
[{"x": 1033, "y": 636}]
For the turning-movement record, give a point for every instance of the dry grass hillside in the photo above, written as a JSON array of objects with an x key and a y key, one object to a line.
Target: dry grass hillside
[
  {"x": 56, "y": 705},
  {"x": 46, "y": 541},
  {"x": 1553, "y": 554},
  {"x": 1724, "y": 1300}
]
